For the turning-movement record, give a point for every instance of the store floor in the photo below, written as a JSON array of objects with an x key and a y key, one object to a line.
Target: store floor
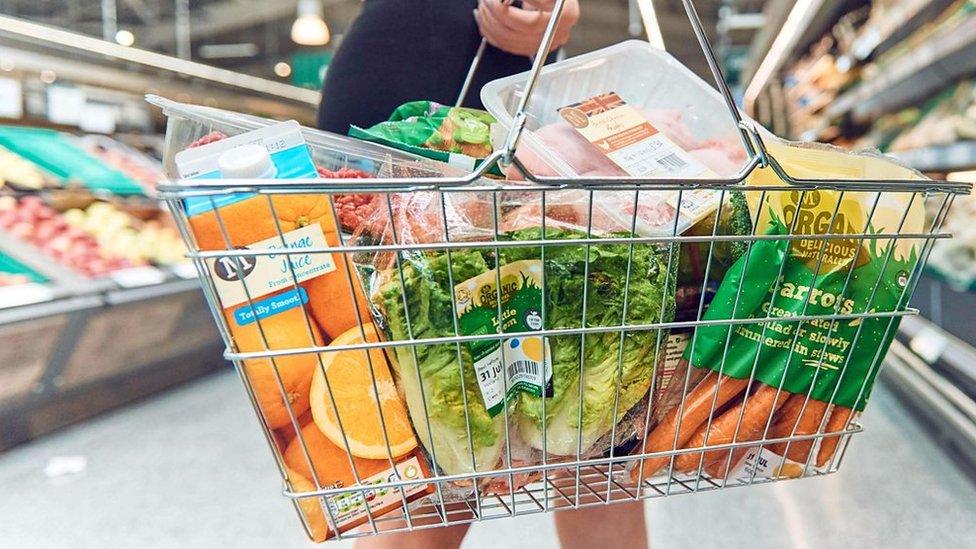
[{"x": 188, "y": 469}]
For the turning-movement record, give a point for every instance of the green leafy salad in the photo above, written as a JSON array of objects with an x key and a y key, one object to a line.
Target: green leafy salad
[{"x": 607, "y": 373}]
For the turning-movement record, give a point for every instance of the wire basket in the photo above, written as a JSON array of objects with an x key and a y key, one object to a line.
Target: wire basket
[{"x": 454, "y": 480}]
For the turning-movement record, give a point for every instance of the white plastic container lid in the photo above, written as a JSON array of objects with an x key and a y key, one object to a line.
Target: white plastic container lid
[
  {"x": 679, "y": 103},
  {"x": 246, "y": 162}
]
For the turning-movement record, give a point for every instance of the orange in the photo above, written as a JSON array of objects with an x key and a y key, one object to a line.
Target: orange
[
  {"x": 286, "y": 330},
  {"x": 253, "y": 220},
  {"x": 284, "y": 435},
  {"x": 352, "y": 390},
  {"x": 311, "y": 507},
  {"x": 331, "y": 301},
  {"x": 330, "y": 461}
]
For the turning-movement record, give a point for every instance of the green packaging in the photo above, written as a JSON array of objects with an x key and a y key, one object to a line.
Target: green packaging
[
  {"x": 457, "y": 135},
  {"x": 835, "y": 360}
]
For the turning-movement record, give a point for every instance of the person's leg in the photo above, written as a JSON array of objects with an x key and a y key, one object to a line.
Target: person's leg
[
  {"x": 620, "y": 526},
  {"x": 433, "y": 538}
]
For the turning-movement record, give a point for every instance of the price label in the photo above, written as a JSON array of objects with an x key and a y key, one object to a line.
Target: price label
[
  {"x": 185, "y": 271},
  {"x": 24, "y": 294},
  {"x": 929, "y": 344},
  {"x": 138, "y": 276}
]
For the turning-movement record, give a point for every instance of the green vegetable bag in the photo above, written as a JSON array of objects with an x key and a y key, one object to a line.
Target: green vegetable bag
[
  {"x": 836, "y": 360},
  {"x": 456, "y": 135}
]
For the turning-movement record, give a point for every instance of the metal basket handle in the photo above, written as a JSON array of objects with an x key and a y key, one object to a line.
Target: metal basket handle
[{"x": 747, "y": 133}]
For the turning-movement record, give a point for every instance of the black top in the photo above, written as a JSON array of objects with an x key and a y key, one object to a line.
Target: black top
[{"x": 406, "y": 50}]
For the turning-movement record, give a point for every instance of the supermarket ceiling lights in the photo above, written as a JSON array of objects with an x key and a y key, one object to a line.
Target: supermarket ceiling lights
[
  {"x": 309, "y": 28},
  {"x": 798, "y": 20},
  {"x": 125, "y": 38},
  {"x": 282, "y": 69}
]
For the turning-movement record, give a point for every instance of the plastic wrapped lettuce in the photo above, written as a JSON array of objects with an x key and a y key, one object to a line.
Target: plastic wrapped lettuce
[
  {"x": 575, "y": 389},
  {"x": 598, "y": 378}
]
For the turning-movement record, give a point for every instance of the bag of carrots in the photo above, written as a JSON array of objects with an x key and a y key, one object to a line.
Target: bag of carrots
[{"x": 823, "y": 310}]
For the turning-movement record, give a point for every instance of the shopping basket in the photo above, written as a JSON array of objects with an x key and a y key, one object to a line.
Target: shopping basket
[{"x": 619, "y": 463}]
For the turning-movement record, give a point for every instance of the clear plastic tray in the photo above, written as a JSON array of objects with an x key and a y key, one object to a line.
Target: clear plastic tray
[
  {"x": 680, "y": 104},
  {"x": 187, "y": 123}
]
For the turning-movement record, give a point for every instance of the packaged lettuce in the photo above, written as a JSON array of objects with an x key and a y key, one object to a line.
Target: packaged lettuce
[
  {"x": 468, "y": 401},
  {"x": 456, "y": 135},
  {"x": 834, "y": 360}
]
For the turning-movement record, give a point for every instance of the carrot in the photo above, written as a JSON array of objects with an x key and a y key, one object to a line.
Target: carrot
[
  {"x": 717, "y": 468},
  {"x": 837, "y": 422},
  {"x": 697, "y": 409},
  {"x": 805, "y": 423},
  {"x": 754, "y": 411}
]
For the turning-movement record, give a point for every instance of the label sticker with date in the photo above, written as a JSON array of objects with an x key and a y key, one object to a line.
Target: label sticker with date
[{"x": 625, "y": 136}]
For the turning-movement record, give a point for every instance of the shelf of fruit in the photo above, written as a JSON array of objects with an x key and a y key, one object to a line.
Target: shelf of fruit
[
  {"x": 30, "y": 220},
  {"x": 96, "y": 248},
  {"x": 143, "y": 170}
]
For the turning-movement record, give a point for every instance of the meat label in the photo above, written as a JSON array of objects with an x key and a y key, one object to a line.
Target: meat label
[{"x": 619, "y": 131}]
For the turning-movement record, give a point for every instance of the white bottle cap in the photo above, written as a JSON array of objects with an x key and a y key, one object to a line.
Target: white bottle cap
[{"x": 246, "y": 162}]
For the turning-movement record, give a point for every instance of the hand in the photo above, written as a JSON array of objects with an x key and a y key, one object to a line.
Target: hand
[{"x": 519, "y": 30}]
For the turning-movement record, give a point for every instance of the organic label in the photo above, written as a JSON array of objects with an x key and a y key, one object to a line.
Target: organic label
[
  {"x": 261, "y": 275},
  {"x": 511, "y": 364},
  {"x": 624, "y": 135}
]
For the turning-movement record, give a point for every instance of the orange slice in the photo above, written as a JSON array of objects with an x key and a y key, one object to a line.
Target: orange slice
[{"x": 356, "y": 401}]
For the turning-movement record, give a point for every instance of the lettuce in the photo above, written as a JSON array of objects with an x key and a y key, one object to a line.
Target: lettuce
[
  {"x": 439, "y": 381},
  {"x": 571, "y": 429},
  {"x": 443, "y": 398}
]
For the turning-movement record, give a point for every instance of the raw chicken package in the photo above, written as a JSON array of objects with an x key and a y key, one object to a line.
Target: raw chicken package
[{"x": 626, "y": 110}]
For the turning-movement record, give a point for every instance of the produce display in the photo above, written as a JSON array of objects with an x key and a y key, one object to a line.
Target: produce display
[
  {"x": 122, "y": 235},
  {"x": 36, "y": 223},
  {"x": 58, "y": 154},
  {"x": 137, "y": 166},
  {"x": 14, "y": 273},
  {"x": 20, "y": 173}
]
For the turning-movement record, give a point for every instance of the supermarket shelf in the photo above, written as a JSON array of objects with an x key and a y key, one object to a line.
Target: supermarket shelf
[
  {"x": 875, "y": 44},
  {"x": 940, "y": 158},
  {"x": 129, "y": 295},
  {"x": 54, "y": 307},
  {"x": 68, "y": 359},
  {"x": 930, "y": 67},
  {"x": 33, "y": 259},
  {"x": 777, "y": 12},
  {"x": 954, "y": 358}
]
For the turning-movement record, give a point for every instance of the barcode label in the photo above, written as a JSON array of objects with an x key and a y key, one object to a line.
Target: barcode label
[
  {"x": 521, "y": 367},
  {"x": 672, "y": 162}
]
